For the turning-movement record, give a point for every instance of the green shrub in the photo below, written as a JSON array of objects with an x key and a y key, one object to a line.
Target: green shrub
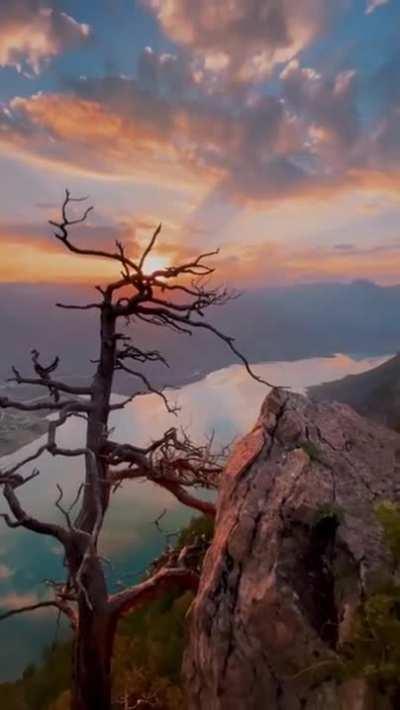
[{"x": 374, "y": 650}]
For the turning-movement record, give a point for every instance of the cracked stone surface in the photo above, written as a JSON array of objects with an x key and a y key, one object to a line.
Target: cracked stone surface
[{"x": 283, "y": 576}]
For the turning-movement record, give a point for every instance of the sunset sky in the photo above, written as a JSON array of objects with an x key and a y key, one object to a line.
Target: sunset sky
[{"x": 269, "y": 128}]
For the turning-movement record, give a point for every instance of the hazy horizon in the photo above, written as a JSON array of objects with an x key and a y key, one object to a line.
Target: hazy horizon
[{"x": 269, "y": 324}]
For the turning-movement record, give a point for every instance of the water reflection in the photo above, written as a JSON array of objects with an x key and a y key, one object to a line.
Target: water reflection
[{"x": 226, "y": 402}]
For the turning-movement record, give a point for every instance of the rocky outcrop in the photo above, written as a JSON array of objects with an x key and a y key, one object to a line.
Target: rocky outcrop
[
  {"x": 297, "y": 545},
  {"x": 374, "y": 394}
]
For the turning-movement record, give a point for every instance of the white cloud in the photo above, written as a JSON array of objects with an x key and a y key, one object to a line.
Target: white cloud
[{"x": 372, "y": 5}]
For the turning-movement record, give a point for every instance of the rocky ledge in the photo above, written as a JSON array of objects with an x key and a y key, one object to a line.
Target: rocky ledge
[{"x": 297, "y": 547}]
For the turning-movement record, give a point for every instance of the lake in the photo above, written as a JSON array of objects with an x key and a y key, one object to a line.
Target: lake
[{"x": 226, "y": 402}]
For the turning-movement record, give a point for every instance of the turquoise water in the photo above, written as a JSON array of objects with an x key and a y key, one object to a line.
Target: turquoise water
[{"x": 225, "y": 402}]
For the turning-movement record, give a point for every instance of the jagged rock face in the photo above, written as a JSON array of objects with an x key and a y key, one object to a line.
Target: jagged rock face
[{"x": 297, "y": 544}]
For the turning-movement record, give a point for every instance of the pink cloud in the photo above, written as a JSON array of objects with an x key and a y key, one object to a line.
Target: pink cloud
[
  {"x": 372, "y": 5},
  {"x": 31, "y": 35},
  {"x": 5, "y": 572},
  {"x": 243, "y": 39},
  {"x": 14, "y": 600}
]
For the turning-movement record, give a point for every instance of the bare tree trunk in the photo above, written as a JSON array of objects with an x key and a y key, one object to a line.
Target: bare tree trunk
[
  {"x": 91, "y": 678},
  {"x": 94, "y": 636},
  {"x": 172, "y": 461},
  {"x": 97, "y": 426}
]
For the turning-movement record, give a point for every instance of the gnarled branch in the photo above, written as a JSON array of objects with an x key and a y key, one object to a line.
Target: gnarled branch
[
  {"x": 54, "y": 384},
  {"x": 66, "y": 222},
  {"x": 23, "y": 519},
  {"x": 165, "y": 579},
  {"x": 56, "y": 604}
]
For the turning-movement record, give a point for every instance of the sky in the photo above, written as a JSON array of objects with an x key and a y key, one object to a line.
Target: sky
[{"x": 267, "y": 128}]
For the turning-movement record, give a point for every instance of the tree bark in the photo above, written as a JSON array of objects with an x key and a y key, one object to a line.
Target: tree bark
[
  {"x": 147, "y": 297},
  {"x": 91, "y": 676},
  {"x": 97, "y": 424}
]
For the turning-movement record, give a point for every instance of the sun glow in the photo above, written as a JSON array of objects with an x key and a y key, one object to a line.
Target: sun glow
[{"x": 154, "y": 262}]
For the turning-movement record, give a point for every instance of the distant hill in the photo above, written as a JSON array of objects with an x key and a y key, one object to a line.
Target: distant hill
[
  {"x": 280, "y": 323},
  {"x": 375, "y": 394},
  {"x": 285, "y": 323}
]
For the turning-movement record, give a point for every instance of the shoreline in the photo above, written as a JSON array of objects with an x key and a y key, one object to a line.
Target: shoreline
[
  {"x": 23, "y": 433},
  {"x": 27, "y": 428}
]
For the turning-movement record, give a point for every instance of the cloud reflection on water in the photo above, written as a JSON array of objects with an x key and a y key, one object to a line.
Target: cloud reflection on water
[{"x": 226, "y": 402}]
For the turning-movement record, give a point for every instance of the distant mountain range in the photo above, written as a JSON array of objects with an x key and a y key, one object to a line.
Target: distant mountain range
[
  {"x": 286, "y": 323},
  {"x": 375, "y": 394}
]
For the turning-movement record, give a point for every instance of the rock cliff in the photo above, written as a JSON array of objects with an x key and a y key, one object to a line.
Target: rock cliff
[{"x": 296, "y": 548}]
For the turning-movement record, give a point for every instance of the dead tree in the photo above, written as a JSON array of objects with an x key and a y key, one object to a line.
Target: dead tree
[{"x": 175, "y": 297}]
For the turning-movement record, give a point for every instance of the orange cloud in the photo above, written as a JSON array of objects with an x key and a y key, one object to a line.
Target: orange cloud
[
  {"x": 89, "y": 136},
  {"x": 27, "y": 254},
  {"x": 35, "y": 264},
  {"x": 31, "y": 35},
  {"x": 264, "y": 153},
  {"x": 239, "y": 40},
  {"x": 40, "y": 260},
  {"x": 274, "y": 264},
  {"x": 157, "y": 141}
]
